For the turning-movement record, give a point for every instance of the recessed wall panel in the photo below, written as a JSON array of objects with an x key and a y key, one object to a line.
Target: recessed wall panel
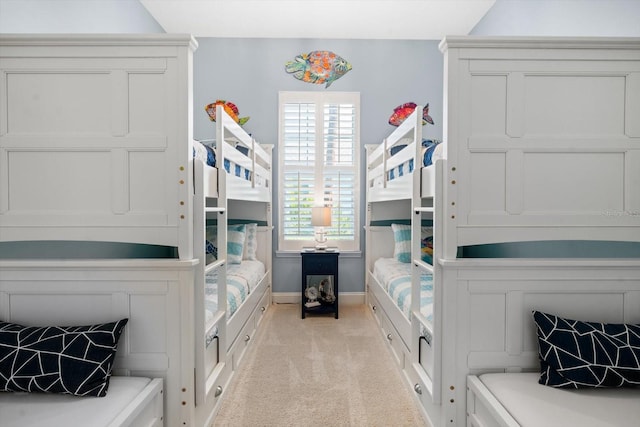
[
  {"x": 67, "y": 309},
  {"x": 488, "y": 104},
  {"x": 148, "y": 181},
  {"x": 602, "y": 307},
  {"x": 59, "y": 181},
  {"x": 487, "y": 313},
  {"x": 574, "y": 105},
  {"x": 487, "y": 182},
  {"x": 147, "y": 104},
  {"x": 573, "y": 182},
  {"x": 53, "y": 103},
  {"x": 147, "y": 327}
]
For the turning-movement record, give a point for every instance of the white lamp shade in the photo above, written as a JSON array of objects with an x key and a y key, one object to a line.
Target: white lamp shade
[{"x": 321, "y": 216}]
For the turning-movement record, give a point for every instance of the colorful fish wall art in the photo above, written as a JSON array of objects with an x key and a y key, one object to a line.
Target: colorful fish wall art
[
  {"x": 230, "y": 108},
  {"x": 401, "y": 112},
  {"x": 319, "y": 66}
]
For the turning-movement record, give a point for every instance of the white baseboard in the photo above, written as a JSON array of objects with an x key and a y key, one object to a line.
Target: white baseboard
[{"x": 347, "y": 298}]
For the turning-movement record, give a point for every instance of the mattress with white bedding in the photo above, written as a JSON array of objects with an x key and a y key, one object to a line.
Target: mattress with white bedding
[
  {"x": 533, "y": 405},
  {"x": 242, "y": 279},
  {"x": 62, "y": 410},
  {"x": 395, "y": 277}
]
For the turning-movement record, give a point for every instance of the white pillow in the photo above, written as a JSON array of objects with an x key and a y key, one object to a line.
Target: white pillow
[
  {"x": 251, "y": 242},
  {"x": 402, "y": 238}
]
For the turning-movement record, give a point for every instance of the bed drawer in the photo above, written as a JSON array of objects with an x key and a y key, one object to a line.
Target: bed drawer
[
  {"x": 216, "y": 385},
  {"x": 418, "y": 384},
  {"x": 375, "y": 307},
  {"x": 393, "y": 339},
  {"x": 241, "y": 343},
  {"x": 262, "y": 308}
]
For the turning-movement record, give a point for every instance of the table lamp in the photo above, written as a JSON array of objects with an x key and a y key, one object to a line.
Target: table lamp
[{"x": 320, "y": 218}]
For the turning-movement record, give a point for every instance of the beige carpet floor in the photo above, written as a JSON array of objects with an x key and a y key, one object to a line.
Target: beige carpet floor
[{"x": 318, "y": 372}]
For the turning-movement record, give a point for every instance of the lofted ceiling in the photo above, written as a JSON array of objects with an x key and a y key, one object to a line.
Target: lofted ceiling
[{"x": 336, "y": 19}]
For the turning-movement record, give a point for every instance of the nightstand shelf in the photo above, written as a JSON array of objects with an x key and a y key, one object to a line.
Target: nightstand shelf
[{"x": 319, "y": 281}]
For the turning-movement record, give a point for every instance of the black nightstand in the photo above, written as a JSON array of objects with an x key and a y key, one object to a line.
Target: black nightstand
[{"x": 320, "y": 281}]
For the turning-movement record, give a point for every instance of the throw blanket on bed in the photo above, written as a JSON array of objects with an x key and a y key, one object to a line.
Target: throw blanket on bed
[
  {"x": 395, "y": 277},
  {"x": 242, "y": 279}
]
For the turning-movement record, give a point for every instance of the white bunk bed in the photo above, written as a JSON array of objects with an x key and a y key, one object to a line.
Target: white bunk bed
[
  {"x": 96, "y": 146},
  {"x": 527, "y": 159},
  {"x": 402, "y": 193},
  {"x": 227, "y": 316}
]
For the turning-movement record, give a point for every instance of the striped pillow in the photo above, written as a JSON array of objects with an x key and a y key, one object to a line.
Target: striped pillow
[
  {"x": 235, "y": 243},
  {"x": 402, "y": 238}
]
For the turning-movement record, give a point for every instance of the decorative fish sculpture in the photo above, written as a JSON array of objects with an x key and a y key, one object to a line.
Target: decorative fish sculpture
[
  {"x": 319, "y": 66},
  {"x": 401, "y": 112},
  {"x": 229, "y": 107}
]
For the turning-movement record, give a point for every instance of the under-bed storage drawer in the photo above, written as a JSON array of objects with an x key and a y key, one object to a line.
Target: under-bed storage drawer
[
  {"x": 262, "y": 308},
  {"x": 393, "y": 338},
  {"x": 420, "y": 384},
  {"x": 241, "y": 343},
  {"x": 217, "y": 382},
  {"x": 375, "y": 306}
]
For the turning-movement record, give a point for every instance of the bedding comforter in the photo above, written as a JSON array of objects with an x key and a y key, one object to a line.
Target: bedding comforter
[
  {"x": 395, "y": 277},
  {"x": 242, "y": 279}
]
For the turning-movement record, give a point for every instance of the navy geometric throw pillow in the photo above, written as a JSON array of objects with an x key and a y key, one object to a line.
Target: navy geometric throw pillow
[
  {"x": 576, "y": 354},
  {"x": 58, "y": 359}
]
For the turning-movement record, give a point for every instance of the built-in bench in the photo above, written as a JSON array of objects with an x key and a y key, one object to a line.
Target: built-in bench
[
  {"x": 517, "y": 399},
  {"x": 130, "y": 401}
]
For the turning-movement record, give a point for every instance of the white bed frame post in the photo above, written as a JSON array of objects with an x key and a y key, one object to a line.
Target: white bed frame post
[{"x": 450, "y": 148}]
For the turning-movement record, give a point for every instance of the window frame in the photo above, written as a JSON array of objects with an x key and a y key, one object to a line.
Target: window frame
[{"x": 320, "y": 99}]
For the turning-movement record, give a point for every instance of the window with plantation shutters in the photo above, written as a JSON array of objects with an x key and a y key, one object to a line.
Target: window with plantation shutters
[{"x": 319, "y": 158}]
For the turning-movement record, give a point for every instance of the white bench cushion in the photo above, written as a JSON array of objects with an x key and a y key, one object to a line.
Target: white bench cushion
[
  {"x": 60, "y": 410},
  {"x": 533, "y": 404}
]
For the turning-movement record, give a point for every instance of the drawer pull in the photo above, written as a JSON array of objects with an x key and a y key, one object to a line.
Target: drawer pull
[
  {"x": 374, "y": 308},
  {"x": 218, "y": 391},
  {"x": 247, "y": 338},
  {"x": 417, "y": 388},
  {"x": 389, "y": 337},
  {"x": 262, "y": 309}
]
